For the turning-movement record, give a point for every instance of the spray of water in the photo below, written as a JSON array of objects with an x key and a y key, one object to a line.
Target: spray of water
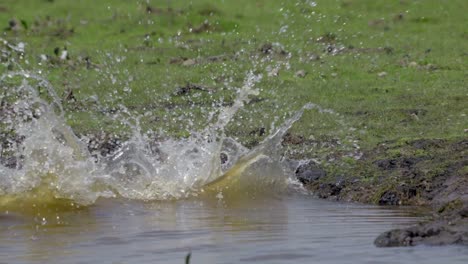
[{"x": 53, "y": 164}]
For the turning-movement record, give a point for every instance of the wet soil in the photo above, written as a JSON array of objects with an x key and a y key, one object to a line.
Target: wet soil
[
  {"x": 425, "y": 172},
  {"x": 445, "y": 228}
]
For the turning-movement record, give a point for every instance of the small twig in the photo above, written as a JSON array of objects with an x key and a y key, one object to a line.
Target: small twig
[{"x": 187, "y": 257}]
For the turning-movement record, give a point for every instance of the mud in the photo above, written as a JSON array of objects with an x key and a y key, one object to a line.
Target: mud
[
  {"x": 445, "y": 228},
  {"x": 425, "y": 172}
]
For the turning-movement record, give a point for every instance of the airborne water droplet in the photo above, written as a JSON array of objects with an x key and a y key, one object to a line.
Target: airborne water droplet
[{"x": 141, "y": 167}]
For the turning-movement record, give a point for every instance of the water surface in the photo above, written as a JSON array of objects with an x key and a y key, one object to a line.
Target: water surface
[{"x": 288, "y": 229}]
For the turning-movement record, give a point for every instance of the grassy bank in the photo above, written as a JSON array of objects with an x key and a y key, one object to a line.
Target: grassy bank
[{"x": 393, "y": 71}]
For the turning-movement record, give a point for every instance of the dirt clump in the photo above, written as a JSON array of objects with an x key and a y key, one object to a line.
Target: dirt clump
[{"x": 445, "y": 228}]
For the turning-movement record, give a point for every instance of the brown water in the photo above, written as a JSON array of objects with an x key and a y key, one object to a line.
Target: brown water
[{"x": 287, "y": 229}]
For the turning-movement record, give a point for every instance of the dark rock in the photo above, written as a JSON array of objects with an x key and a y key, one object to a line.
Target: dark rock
[
  {"x": 224, "y": 158},
  {"x": 448, "y": 227},
  {"x": 328, "y": 190},
  {"x": 104, "y": 144},
  {"x": 386, "y": 164},
  {"x": 464, "y": 212},
  {"x": 460, "y": 146},
  {"x": 266, "y": 48},
  {"x": 398, "y": 163},
  {"x": 408, "y": 162},
  {"x": 109, "y": 147},
  {"x": 309, "y": 172},
  {"x": 389, "y": 198},
  {"x": 431, "y": 234},
  {"x": 12, "y": 23},
  {"x": 258, "y": 132},
  {"x": 9, "y": 162},
  {"x": 394, "y": 238}
]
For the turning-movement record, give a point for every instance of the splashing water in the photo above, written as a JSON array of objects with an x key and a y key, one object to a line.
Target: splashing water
[{"x": 53, "y": 164}]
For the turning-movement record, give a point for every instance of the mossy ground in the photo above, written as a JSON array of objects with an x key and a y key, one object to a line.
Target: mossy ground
[{"x": 394, "y": 71}]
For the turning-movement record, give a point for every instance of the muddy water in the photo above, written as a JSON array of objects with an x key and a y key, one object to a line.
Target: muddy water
[{"x": 288, "y": 229}]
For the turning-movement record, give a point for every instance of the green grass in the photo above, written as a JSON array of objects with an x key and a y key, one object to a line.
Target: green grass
[{"x": 396, "y": 68}]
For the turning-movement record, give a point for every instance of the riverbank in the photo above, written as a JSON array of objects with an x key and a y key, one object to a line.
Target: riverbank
[{"x": 424, "y": 172}]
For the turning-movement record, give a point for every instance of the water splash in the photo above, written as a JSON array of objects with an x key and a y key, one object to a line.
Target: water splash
[{"x": 52, "y": 164}]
